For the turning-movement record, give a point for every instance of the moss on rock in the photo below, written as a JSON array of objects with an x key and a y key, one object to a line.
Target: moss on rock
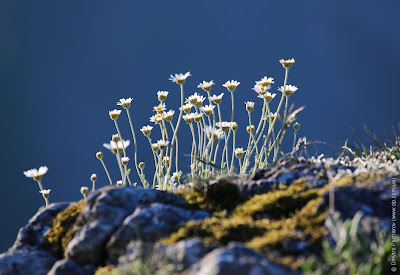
[{"x": 58, "y": 237}]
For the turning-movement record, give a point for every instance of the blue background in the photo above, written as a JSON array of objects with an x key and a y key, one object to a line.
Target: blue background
[{"x": 64, "y": 64}]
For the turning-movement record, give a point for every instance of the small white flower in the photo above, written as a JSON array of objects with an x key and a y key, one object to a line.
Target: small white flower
[
  {"x": 125, "y": 103},
  {"x": 231, "y": 85},
  {"x": 233, "y": 125},
  {"x": 217, "y": 98},
  {"x": 162, "y": 95},
  {"x": 239, "y": 152},
  {"x": 119, "y": 183},
  {"x": 192, "y": 99},
  {"x": 260, "y": 89},
  {"x": 290, "y": 89},
  {"x": 206, "y": 86},
  {"x": 249, "y": 106},
  {"x": 250, "y": 129},
  {"x": 207, "y": 109},
  {"x": 36, "y": 174},
  {"x": 189, "y": 118},
  {"x": 146, "y": 130},
  {"x": 168, "y": 115},
  {"x": 114, "y": 114},
  {"x": 179, "y": 78},
  {"x": 214, "y": 134},
  {"x": 267, "y": 96},
  {"x": 162, "y": 144},
  {"x": 186, "y": 108},
  {"x": 270, "y": 117},
  {"x": 224, "y": 125},
  {"x": 125, "y": 160},
  {"x": 113, "y": 146},
  {"x": 265, "y": 81},
  {"x": 160, "y": 108},
  {"x": 45, "y": 192},
  {"x": 157, "y": 118},
  {"x": 197, "y": 117},
  {"x": 287, "y": 63}
]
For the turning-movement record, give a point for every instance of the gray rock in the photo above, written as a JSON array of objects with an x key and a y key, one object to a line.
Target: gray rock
[
  {"x": 27, "y": 260},
  {"x": 149, "y": 223},
  {"x": 32, "y": 233},
  {"x": 68, "y": 267},
  {"x": 237, "y": 259},
  {"x": 103, "y": 213},
  {"x": 184, "y": 253}
]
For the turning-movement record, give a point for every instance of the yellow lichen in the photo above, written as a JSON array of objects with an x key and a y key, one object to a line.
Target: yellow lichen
[
  {"x": 106, "y": 270},
  {"x": 58, "y": 237}
]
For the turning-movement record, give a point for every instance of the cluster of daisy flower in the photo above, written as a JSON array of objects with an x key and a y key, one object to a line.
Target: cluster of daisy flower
[{"x": 213, "y": 150}]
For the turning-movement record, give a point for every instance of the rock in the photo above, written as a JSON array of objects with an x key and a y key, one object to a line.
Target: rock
[
  {"x": 68, "y": 267},
  {"x": 237, "y": 259},
  {"x": 373, "y": 199},
  {"x": 103, "y": 213},
  {"x": 149, "y": 223},
  {"x": 27, "y": 260},
  {"x": 184, "y": 253},
  {"x": 32, "y": 233},
  {"x": 287, "y": 171}
]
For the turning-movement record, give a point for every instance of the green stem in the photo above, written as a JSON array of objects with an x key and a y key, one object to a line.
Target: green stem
[{"x": 134, "y": 141}]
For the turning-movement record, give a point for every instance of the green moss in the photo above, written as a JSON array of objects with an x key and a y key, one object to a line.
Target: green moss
[
  {"x": 222, "y": 195},
  {"x": 60, "y": 234},
  {"x": 278, "y": 203}
]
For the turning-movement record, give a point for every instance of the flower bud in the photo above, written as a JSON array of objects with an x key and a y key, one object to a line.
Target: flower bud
[
  {"x": 99, "y": 155},
  {"x": 115, "y": 138},
  {"x": 84, "y": 190},
  {"x": 142, "y": 165},
  {"x": 93, "y": 177},
  {"x": 296, "y": 126}
]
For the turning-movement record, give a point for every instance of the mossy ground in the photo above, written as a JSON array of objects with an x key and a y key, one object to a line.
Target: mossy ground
[
  {"x": 60, "y": 234},
  {"x": 266, "y": 222}
]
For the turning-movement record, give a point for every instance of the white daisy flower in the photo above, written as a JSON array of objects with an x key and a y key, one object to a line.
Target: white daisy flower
[
  {"x": 114, "y": 146},
  {"x": 114, "y": 114},
  {"x": 249, "y": 106},
  {"x": 179, "y": 78},
  {"x": 217, "y": 98},
  {"x": 93, "y": 177},
  {"x": 146, "y": 130},
  {"x": 206, "y": 86},
  {"x": 207, "y": 109},
  {"x": 162, "y": 95},
  {"x": 189, "y": 118},
  {"x": 125, "y": 103},
  {"x": 239, "y": 152},
  {"x": 125, "y": 160},
  {"x": 290, "y": 89},
  {"x": 192, "y": 99},
  {"x": 168, "y": 115},
  {"x": 224, "y": 125},
  {"x": 163, "y": 144},
  {"x": 270, "y": 117},
  {"x": 287, "y": 63},
  {"x": 233, "y": 125},
  {"x": 157, "y": 118},
  {"x": 265, "y": 81},
  {"x": 260, "y": 89},
  {"x": 200, "y": 101},
  {"x": 36, "y": 174},
  {"x": 214, "y": 134},
  {"x": 45, "y": 192},
  {"x": 186, "y": 108},
  {"x": 231, "y": 85},
  {"x": 155, "y": 147},
  {"x": 267, "y": 96},
  {"x": 160, "y": 108},
  {"x": 197, "y": 117}
]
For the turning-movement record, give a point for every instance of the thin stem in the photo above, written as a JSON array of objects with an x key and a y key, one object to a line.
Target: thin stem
[
  {"x": 233, "y": 151},
  {"x": 233, "y": 107},
  {"x": 294, "y": 143},
  {"x": 93, "y": 185},
  {"x": 120, "y": 138},
  {"x": 134, "y": 141},
  {"x": 105, "y": 169},
  {"x": 193, "y": 153},
  {"x": 120, "y": 167}
]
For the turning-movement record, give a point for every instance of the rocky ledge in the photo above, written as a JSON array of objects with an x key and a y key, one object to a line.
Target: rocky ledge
[{"x": 263, "y": 224}]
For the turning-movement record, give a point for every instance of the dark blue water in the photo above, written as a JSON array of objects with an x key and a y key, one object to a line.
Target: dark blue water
[{"x": 64, "y": 65}]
